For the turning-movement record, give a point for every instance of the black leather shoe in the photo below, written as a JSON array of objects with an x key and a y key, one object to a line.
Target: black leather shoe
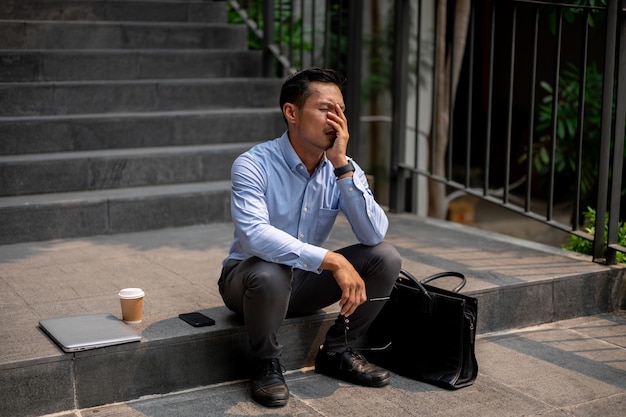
[
  {"x": 351, "y": 367},
  {"x": 268, "y": 384}
]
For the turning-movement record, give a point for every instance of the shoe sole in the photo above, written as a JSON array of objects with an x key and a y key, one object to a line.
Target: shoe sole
[
  {"x": 374, "y": 384},
  {"x": 380, "y": 384},
  {"x": 272, "y": 404}
]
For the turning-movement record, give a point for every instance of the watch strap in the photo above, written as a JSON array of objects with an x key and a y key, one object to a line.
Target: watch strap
[{"x": 344, "y": 169}]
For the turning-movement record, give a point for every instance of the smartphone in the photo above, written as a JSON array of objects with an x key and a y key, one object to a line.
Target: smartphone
[{"x": 197, "y": 319}]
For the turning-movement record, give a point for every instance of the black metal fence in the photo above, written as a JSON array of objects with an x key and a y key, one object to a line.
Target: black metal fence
[
  {"x": 540, "y": 105},
  {"x": 536, "y": 105}
]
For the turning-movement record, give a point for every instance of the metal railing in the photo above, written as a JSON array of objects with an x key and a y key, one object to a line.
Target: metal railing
[
  {"x": 520, "y": 107},
  {"x": 525, "y": 114},
  {"x": 323, "y": 33}
]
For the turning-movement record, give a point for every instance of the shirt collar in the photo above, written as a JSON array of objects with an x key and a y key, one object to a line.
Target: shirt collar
[{"x": 290, "y": 155}]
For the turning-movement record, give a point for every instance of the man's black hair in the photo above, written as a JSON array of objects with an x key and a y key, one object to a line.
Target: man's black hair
[{"x": 296, "y": 88}]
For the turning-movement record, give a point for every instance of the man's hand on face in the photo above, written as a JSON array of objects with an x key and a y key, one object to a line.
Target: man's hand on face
[{"x": 336, "y": 154}]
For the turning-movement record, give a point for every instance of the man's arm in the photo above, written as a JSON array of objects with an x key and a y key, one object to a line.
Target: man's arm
[
  {"x": 367, "y": 219},
  {"x": 250, "y": 215}
]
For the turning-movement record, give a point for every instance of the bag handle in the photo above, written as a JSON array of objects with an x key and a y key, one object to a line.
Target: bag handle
[
  {"x": 434, "y": 277},
  {"x": 404, "y": 274}
]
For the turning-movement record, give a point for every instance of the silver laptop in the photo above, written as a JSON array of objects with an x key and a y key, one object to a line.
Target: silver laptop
[{"x": 73, "y": 334}]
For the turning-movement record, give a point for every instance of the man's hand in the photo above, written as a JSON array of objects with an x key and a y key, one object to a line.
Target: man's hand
[
  {"x": 336, "y": 154},
  {"x": 351, "y": 284}
]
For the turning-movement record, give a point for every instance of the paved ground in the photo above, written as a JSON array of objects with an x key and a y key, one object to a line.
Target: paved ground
[
  {"x": 574, "y": 367},
  {"x": 570, "y": 368}
]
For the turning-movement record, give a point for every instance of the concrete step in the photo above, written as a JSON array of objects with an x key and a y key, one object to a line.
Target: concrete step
[
  {"x": 517, "y": 283},
  {"x": 107, "y": 64},
  {"x": 557, "y": 379},
  {"x": 41, "y": 134},
  {"x": 81, "y": 97},
  {"x": 116, "y": 168},
  {"x": 114, "y": 10},
  {"x": 42, "y": 34},
  {"x": 123, "y": 115},
  {"x": 88, "y": 213}
]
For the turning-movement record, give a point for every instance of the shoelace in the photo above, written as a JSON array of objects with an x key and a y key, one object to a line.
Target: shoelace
[
  {"x": 271, "y": 367},
  {"x": 357, "y": 357}
]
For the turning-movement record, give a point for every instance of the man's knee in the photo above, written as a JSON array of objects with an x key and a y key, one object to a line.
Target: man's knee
[
  {"x": 271, "y": 279},
  {"x": 390, "y": 259}
]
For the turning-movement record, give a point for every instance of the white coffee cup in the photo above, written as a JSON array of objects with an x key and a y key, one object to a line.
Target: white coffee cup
[{"x": 131, "y": 300}]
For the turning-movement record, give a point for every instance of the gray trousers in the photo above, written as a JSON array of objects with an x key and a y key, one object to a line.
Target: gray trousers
[{"x": 264, "y": 293}]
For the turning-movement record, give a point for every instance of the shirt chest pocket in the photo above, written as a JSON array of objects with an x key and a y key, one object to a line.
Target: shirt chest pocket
[{"x": 325, "y": 221}]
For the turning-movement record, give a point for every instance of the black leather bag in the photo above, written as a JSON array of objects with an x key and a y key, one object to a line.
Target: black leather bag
[{"x": 426, "y": 333}]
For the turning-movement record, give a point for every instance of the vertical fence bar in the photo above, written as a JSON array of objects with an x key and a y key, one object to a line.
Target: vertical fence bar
[
  {"x": 353, "y": 70},
  {"x": 313, "y": 30},
  {"x": 399, "y": 105},
  {"x": 509, "y": 128},
  {"x": 531, "y": 121},
  {"x": 618, "y": 146},
  {"x": 489, "y": 99},
  {"x": 327, "y": 16},
  {"x": 470, "y": 94},
  {"x": 581, "y": 119},
  {"x": 605, "y": 129},
  {"x": 268, "y": 38},
  {"x": 450, "y": 28},
  {"x": 339, "y": 31},
  {"x": 555, "y": 112},
  {"x": 418, "y": 76},
  {"x": 302, "y": 62},
  {"x": 279, "y": 20},
  {"x": 433, "y": 114},
  {"x": 291, "y": 37}
]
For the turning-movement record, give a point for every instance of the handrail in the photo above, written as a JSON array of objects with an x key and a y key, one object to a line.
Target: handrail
[{"x": 266, "y": 34}]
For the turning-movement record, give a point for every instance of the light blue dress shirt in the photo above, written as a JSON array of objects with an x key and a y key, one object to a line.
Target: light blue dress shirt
[{"x": 283, "y": 215}]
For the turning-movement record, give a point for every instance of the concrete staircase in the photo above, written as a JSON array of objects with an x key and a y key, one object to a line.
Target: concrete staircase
[{"x": 123, "y": 115}]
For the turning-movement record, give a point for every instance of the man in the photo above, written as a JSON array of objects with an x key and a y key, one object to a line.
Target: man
[{"x": 286, "y": 194}]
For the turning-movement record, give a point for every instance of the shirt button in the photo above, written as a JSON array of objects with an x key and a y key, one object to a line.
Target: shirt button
[
  {"x": 305, "y": 265},
  {"x": 301, "y": 235},
  {"x": 350, "y": 189},
  {"x": 305, "y": 209}
]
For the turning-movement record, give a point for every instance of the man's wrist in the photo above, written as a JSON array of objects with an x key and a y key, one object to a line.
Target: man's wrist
[
  {"x": 342, "y": 170},
  {"x": 332, "y": 261}
]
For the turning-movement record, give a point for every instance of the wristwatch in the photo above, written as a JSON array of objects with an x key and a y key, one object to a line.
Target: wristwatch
[{"x": 344, "y": 169}]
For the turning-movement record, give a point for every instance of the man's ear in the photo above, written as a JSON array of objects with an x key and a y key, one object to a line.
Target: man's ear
[{"x": 289, "y": 111}]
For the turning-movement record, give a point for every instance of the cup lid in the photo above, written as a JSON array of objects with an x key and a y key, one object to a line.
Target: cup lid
[{"x": 128, "y": 293}]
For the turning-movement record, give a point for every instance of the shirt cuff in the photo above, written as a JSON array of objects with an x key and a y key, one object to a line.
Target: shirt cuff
[{"x": 311, "y": 258}]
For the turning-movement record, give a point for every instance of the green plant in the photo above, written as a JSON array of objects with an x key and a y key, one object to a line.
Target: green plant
[
  {"x": 584, "y": 246},
  {"x": 567, "y": 129},
  {"x": 286, "y": 32},
  {"x": 570, "y": 13}
]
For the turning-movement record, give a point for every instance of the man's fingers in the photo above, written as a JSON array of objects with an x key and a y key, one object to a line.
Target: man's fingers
[{"x": 351, "y": 299}]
